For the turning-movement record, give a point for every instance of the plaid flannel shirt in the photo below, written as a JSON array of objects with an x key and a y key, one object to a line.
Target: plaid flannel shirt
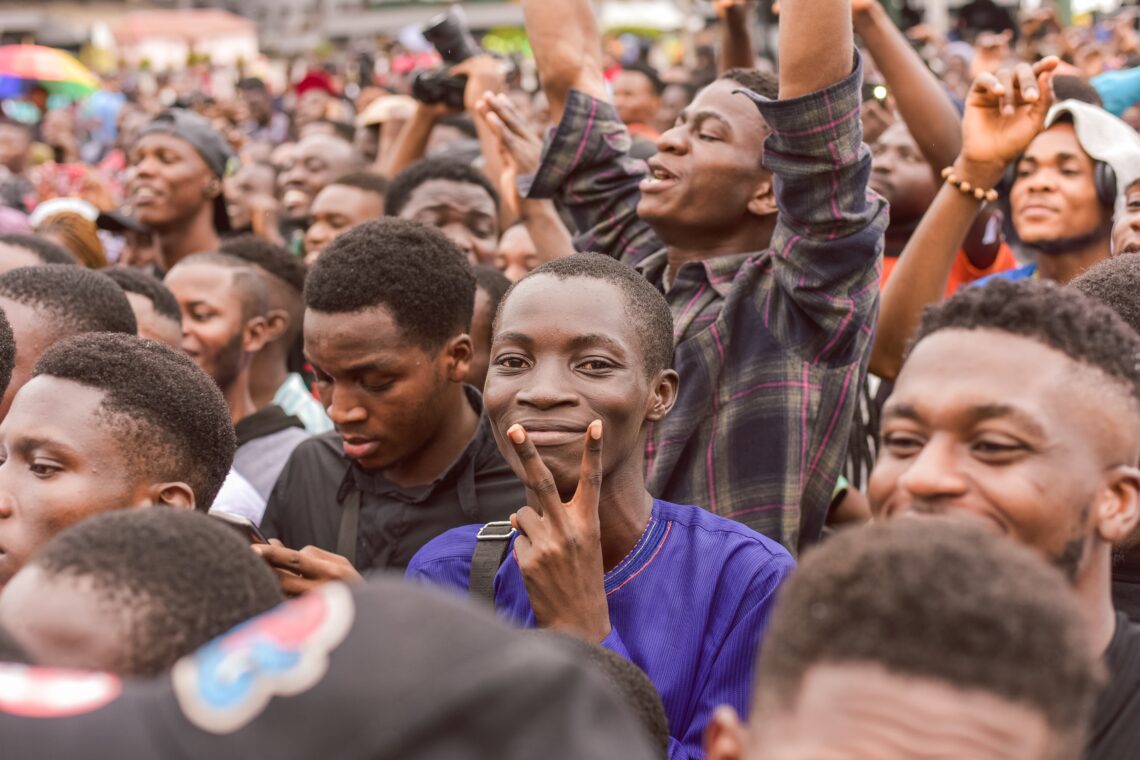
[{"x": 771, "y": 346}]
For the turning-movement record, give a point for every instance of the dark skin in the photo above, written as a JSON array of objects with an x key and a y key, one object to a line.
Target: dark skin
[
  {"x": 317, "y": 161},
  {"x": 283, "y": 325},
  {"x": 567, "y": 371},
  {"x": 335, "y": 210},
  {"x": 61, "y": 462},
  {"x": 1126, "y": 230},
  {"x": 14, "y": 257},
  {"x": 463, "y": 211},
  {"x": 35, "y": 332},
  {"x": 482, "y": 319},
  {"x": 152, "y": 325}
]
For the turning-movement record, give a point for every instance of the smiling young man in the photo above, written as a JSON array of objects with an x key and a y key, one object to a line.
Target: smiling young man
[
  {"x": 579, "y": 371},
  {"x": 177, "y": 166},
  {"x": 758, "y": 228},
  {"x": 1019, "y": 407},
  {"x": 107, "y": 422},
  {"x": 388, "y": 311},
  {"x": 351, "y": 200},
  {"x": 316, "y": 161}
]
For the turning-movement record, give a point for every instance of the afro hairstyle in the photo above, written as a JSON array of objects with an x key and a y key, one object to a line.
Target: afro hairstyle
[
  {"x": 169, "y": 416},
  {"x": 1115, "y": 282},
  {"x": 147, "y": 564},
  {"x": 1064, "y": 319},
  {"x": 44, "y": 249},
  {"x": 269, "y": 257},
  {"x": 646, "y": 308},
  {"x": 408, "y": 268},
  {"x": 75, "y": 299},
  {"x": 7, "y": 353},
  {"x": 148, "y": 286},
  {"x": 939, "y": 600},
  {"x": 405, "y": 183}
]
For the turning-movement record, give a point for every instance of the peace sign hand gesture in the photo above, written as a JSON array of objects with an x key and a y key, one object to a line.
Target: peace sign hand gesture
[{"x": 559, "y": 549}]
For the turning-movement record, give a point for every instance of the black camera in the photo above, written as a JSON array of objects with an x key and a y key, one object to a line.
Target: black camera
[{"x": 449, "y": 35}]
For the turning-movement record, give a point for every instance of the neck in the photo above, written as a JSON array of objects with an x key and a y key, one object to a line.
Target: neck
[
  {"x": 697, "y": 245},
  {"x": 1094, "y": 592},
  {"x": 184, "y": 239},
  {"x": 454, "y": 434},
  {"x": 267, "y": 374},
  {"x": 238, "y": 398},
  {"x": 1064, "y": 266}
]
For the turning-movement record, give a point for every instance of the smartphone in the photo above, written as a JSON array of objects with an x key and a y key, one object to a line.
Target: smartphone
[{"x": 245, "y": 526}]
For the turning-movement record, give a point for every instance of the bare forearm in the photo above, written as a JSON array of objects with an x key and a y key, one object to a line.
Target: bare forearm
[
  {"x": 410, "y": 145},
  {"x": 816, "y": 45},
  {"x": 550, "y": 237},
  {"x": 736, "y": 40},
  {"x": 567, "y": 49},
  {"x": 922, "y": 101}
]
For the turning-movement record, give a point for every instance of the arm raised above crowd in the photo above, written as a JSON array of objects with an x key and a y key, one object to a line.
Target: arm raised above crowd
[
  {"x": 816, "y": 45},
  {"x": 567, "y": 49}
]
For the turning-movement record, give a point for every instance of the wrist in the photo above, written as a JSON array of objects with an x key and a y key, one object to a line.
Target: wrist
[{"x": 984, "y": 174}]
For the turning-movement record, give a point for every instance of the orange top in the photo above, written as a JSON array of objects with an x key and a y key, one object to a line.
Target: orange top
[{"x": 962, "y": 272}]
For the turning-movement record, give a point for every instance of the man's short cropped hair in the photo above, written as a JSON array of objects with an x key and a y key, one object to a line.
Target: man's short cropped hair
[
  {"x": 405, "y": 183},
  {"x": 492, "y": 282},
  {"x": 7, "y": 353},
  {"x": 759, "y": 82},
  {"x": 1115, "y": 282},
  {"x": 43, "y": 249},
  {"x": 408, "y": 268},
  {"x": 179, "y": 578},
  {"x": 939, "y": 600},
  {"x": 369, "y": 182},
  {"x": 77, "y": 300},
  {"x": 170, "y": 416},
  {"x": 1064, "y": 319},
  {"x": 649, "y": 73},
  {"x": 247, "y": 282},
  {"x": 148, "y": 286},
  {"x": 645, "y": 306},
  {"x": 272, "y": 258}
]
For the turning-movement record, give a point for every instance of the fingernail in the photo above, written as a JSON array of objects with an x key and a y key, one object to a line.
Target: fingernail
[
  {"x": 516, "y": 433},
  {"x": 596, "y": 430}
]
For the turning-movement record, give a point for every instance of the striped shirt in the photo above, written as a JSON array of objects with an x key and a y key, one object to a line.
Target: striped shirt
[{"x": 771, "y": 346}]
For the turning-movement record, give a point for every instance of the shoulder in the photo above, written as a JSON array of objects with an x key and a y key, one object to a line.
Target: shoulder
[
  {"x": 445, "y": 554},
  {"x": 733, "y": 541}
]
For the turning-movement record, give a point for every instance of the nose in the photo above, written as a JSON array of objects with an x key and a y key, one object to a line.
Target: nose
[
  {"x": 459, "y": 235},
  {"x": 144, "y": 167},
  {"x": 548, "y": 388},
  {"x": 882, "y": 162},
  {"x": 933, "y": 473},
  {"x": 1040, "y": 181},
  {"x": 674, "y": 141},
  {"x": 316, "y": 237},
  {"x": 342, "y": 406}
]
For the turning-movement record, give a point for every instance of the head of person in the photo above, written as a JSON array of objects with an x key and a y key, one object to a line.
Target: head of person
[
  {"x": 177, "y": 166},
  {"x": 317, "y": 160},
  {"x": 130, "y": 592},
  {"x": 283, "y": 275},
  {"x": 902, "y": 175},
  {"x": 1019, "y": 406},
  {"x": 46, "y": 304},
  {"x": 315, "y": 94},
  {"x": 341, "y": 205},
  {"x": 255, "y": 95},
  {"x": 490, "y": 287},
  {"x": 637, "y": 94},
  {"x": 331, "y": 127},
  {"x": 15, "y": 145},
  {"x": 707, "y": 181},
  {"x": 517, "y": 254},
  {"x": 387, "y": 315},
  {"x": 224, "y": 303},
  {"x": 457, "y": 199},
  {"x": 17, "y": 250},
  {"x": 108, "y": 422},
  {"x": 1126, "y": 225},
  {"x": 251, "y": 183},
  {"x": 78, "y": 234},
  {"x": 913, "y": 634},
  {"x": 674, "y": 98},
  {"x": 156, "y": 310},
  {"x": 568, "y": 353}
]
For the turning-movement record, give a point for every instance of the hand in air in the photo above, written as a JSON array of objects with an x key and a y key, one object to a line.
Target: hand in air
[
  {"x": 559, "y": 549},
  {"x": 519, "y": 146},
  {"x": 304, "y": 570}
]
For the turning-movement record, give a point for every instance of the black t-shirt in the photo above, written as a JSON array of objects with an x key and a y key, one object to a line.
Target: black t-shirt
[{"x": 1115, "y": 733}]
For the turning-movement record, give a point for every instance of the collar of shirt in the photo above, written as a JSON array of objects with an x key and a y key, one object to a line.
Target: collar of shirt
[{"x": 718, "y": 271}]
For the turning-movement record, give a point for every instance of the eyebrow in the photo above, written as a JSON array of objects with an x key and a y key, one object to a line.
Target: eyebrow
[
  {"x": 586, "y": 340},
  {"x": 975, "y": 414},
  {"x": 28, "y": 444},
  {"x": 702, "y": 116},
  {"x": 369, "y": 365}
]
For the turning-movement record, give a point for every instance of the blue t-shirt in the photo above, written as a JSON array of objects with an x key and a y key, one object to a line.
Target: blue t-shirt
[
  {"x": 1027, "y": 272},
  {"x": 688, "y": 606}
]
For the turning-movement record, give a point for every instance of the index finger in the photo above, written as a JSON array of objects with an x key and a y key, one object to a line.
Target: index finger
[
  {"x": 538, "y": 479},
  {"x": 589, "y": 491}
]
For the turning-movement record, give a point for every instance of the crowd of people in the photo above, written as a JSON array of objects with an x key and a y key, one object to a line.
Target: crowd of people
[{"x": 481, "y": 407}]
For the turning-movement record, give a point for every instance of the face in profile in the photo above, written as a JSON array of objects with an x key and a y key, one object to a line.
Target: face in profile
[{"x": 214, "y": 331}]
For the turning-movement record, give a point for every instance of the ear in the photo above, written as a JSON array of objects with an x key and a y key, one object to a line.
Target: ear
[
  {"x": 457, "y": 355},
  {"x": 213, "y": 188},
  {"x": 1118, "y": 510},
  {"x": 277, "y": 323},
  {"x": 724, "y": 735},
  {"x": 664, "y": 395},
  {"x": 255, "y": 335},
  {"x": 178, "y": 495},
  {"x": 763, "y": 200}
]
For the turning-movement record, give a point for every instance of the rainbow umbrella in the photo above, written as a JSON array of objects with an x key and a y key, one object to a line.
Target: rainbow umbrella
[{"x": 59, "y": 72}]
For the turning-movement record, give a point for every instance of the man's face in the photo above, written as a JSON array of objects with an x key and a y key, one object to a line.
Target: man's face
[
  {"x": 566, "y": 354},
  {"x": 998, "y": 427},
  {"x": 872, "y": 714},
  {"x": 634, "y": 98},
  {"x": 152, "y": 325},
  {"x": 253, "y": 184},
  {"x": 168, "y": 182},
  {"x": 336, "y": 210},
  {"x": 60, "y": 464},
  {"x": 316, "y": 161},
  {"x": 380, "y": 389},
  {"x": 311, "y": 106},
  {"x": 64, "y": 621},
  {"x": 213, "y": 322},
  {"x": 35, "y": 332},
  {"x": 673, "y": 101},
  {"x": 258, "y": 103},
  {"x": 517, "y": 254},
  {"x": 1054, "y": 196},
  {"x": 1126, "y": 229},
  {"x": 15, "y": 142},
  {"x": 463, "y": 211},
  {"x": 707, "y": 167},
  {"x": 481, "y": 324},
  {"x": 901, "y": 175}
]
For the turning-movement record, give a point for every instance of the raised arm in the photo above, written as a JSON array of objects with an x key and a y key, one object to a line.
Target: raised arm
[
  {"x": 816, "y": 45},
  {"x": 735, "y": 36},
  {"x": 567, "y": 49},
  {"x": 1003, "y": 115}
]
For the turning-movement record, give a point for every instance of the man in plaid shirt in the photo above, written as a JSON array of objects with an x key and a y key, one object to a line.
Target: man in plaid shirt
[{"x": 758, "y": 228}]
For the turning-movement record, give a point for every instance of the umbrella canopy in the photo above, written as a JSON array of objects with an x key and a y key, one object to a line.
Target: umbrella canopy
[{"x": 59, "y": 72}]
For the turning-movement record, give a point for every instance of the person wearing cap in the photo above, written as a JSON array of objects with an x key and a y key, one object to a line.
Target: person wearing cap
[{"x": 177, "y": 166}]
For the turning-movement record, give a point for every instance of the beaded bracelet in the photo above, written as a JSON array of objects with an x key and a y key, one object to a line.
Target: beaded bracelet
[{"x": 966, "y": 188}]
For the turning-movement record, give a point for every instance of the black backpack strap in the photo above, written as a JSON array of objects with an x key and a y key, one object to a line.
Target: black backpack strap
[
  {"x": 349, "y": 526},
  {"x": 491, "y": 546}
]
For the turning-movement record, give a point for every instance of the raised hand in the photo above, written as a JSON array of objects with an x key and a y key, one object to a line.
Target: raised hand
[
  {"x": 484, "y": 75},
  {"x": 304, "y": 570},
  {"x": 559, "y": 549},
  {"x": 519, "y": 147}
]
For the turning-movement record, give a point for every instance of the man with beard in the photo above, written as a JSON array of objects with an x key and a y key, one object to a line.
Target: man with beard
[{"x": 1019, "y": 407}]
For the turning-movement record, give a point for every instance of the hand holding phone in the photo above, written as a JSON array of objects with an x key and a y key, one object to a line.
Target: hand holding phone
[{"x": 249, "y": 531}]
